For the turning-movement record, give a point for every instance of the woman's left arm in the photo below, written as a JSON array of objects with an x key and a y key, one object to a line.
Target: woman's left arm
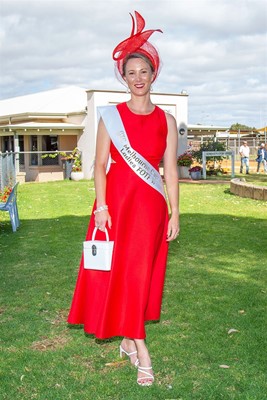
[{"x": 171, "y": 177}]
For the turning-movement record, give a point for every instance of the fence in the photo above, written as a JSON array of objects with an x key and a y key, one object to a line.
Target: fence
[
  {"x": 232, "y": 144},
  {"x": 7, "y": 170},
  {"x": 13, "y": 164}
]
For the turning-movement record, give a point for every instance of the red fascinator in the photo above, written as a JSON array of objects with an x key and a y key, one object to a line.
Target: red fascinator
[{"x": 137, "y": 42}]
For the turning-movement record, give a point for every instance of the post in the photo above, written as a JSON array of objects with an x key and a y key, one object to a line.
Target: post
[
  {"x": 204, "y": 164},
  {"x": 233, "y": 165},
  {"x": 16, "y": 149},
  {"x": 218, "y": 153}
]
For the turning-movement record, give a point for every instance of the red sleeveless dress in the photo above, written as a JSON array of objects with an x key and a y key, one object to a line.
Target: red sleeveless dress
[{"x": 117, "y": 303}]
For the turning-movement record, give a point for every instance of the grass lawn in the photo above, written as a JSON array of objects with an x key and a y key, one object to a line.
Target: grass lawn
[{"x": 211, "y": 341}]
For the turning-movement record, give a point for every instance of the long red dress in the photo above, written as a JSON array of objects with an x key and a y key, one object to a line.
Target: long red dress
[{"x": 117, "y": 303}]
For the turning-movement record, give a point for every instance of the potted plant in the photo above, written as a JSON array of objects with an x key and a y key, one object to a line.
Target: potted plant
[
  {"x": 73, "y": 163},
  {"x": 195, "y": 172},
  {"x": 184, "y": 161},
  {"x": 76, "y": 170}
]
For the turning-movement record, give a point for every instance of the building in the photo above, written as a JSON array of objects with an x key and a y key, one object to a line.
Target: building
[{"x": 62, "y": 119}]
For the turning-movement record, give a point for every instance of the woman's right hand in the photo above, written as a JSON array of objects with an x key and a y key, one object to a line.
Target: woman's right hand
[{"x": 101, "y": 219}]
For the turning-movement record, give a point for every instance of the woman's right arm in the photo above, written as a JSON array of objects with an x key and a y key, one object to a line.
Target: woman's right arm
[{"x": 101, "y": 160}]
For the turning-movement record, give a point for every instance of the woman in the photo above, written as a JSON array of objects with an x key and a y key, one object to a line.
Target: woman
[{"x": 133, "y": 209}]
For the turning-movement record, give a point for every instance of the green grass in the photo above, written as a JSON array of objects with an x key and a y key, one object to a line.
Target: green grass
[
  {"x": 260, "y": 180},
  {"x": 216, "y": 281},
  {"x": 253, "y": 178}
]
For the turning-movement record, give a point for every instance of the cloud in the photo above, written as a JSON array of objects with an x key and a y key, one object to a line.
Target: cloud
[{"x": 216, "y": 50}]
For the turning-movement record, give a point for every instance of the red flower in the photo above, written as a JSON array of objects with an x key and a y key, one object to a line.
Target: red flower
[
  {"x": 195, "y": 169},
  {"x": 185, "y": 159},
  {"x": 4, "y": 194}
]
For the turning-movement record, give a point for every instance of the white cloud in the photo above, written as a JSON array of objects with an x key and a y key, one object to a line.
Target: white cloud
[{"x": 215, "y": 49}]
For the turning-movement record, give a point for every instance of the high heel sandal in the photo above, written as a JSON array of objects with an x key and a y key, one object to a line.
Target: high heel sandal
[
  {"x": 122, "y": 352},
  {"x": 149, "y": 376}
]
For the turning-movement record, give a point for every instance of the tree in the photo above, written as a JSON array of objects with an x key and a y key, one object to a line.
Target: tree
[
  {"x": 237, "y": 127},
  {"x": 209, "y": 145}
]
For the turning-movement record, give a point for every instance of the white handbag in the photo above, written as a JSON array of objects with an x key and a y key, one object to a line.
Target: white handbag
[{"x": 97, "y": 254}]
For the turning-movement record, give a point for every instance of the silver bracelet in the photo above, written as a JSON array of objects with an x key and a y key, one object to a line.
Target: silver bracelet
[{"x": 101, "y": 208}]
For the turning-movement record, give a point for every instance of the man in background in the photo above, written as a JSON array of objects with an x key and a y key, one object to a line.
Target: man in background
[
  {"x": 244, "y": 154},
  {"x": 262, "y": 158}
]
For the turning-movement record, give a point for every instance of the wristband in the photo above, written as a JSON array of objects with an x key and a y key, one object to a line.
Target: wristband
[{"x": 101, "y": 208}]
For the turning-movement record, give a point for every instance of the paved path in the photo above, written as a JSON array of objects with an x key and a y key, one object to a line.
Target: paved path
[{"x": 201, "y": 181}]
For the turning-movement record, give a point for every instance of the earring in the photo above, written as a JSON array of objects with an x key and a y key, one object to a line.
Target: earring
[
  {"x": 151, "y": 88},
  {"x": 127, "y": 90}
]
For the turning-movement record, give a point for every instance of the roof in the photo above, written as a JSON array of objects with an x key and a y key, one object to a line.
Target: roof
[
  {"x": 42, "y": 125},
  {"x": 26, "y": 128},
  {"x": 64, "y": 100},
  {"x": 263, "y": 130},
  {"x": 200, "y": 127}
]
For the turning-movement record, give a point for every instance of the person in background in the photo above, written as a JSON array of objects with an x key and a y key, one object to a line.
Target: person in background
[
  {"x": 244, "y": 154},
  {"x": 190, "y": 147},
  {"x": 262, "y": 158}
]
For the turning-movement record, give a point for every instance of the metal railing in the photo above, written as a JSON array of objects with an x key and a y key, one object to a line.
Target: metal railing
[
  {"x": 232, "y": 144},
  {"x": 13, "y": 163}
]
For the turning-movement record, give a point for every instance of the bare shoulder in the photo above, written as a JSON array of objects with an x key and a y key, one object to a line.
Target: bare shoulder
[
  {"x": 170, "y": 117},
  {"x": 171, "y": 121}
]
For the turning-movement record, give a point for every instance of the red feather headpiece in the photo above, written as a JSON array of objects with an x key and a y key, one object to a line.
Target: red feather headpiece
[{"x": 137, "y": 42}]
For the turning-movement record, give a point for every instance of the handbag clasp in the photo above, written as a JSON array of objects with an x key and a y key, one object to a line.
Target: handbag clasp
[{"x": 94, "y": 250}]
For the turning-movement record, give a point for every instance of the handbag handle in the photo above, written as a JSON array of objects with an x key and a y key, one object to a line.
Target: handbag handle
[{"x": 94, "y": 233}]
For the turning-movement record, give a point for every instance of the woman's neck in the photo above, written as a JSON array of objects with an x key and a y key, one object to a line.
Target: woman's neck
[{"x": 141, "y": 105}]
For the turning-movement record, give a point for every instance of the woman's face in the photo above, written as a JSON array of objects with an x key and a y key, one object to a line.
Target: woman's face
[{"x": 138, "y": 76}]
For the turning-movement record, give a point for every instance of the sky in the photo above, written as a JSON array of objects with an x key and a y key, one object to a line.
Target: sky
[{"x": 215, "y": 50}]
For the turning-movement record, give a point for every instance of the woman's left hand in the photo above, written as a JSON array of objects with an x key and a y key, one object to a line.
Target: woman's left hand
[{"x": 173, "y": 228}]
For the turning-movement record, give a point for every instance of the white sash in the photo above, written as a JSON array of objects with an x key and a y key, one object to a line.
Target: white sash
[{"x": 136, "y": 162}]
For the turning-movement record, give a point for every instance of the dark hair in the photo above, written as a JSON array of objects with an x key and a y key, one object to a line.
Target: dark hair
[{"x": 137, "y": 55}]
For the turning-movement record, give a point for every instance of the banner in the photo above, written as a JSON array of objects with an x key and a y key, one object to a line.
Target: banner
[{"x": 136, "y": 161}]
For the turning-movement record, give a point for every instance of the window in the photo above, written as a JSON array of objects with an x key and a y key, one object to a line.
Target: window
[
  {"x": 21, "y": 148},
  {"x": 8, "y": 143},
  {"x": 44, "y": 145},
  {"x": 50, "y": 143},
  {"x": 34, "y": 147}
]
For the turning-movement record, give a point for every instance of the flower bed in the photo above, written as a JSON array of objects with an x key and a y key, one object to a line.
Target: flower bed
[{"x": 4, "y": 194}]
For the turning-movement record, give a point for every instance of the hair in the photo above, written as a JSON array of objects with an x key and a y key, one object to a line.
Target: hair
[{"x": 137, "y": 55}]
